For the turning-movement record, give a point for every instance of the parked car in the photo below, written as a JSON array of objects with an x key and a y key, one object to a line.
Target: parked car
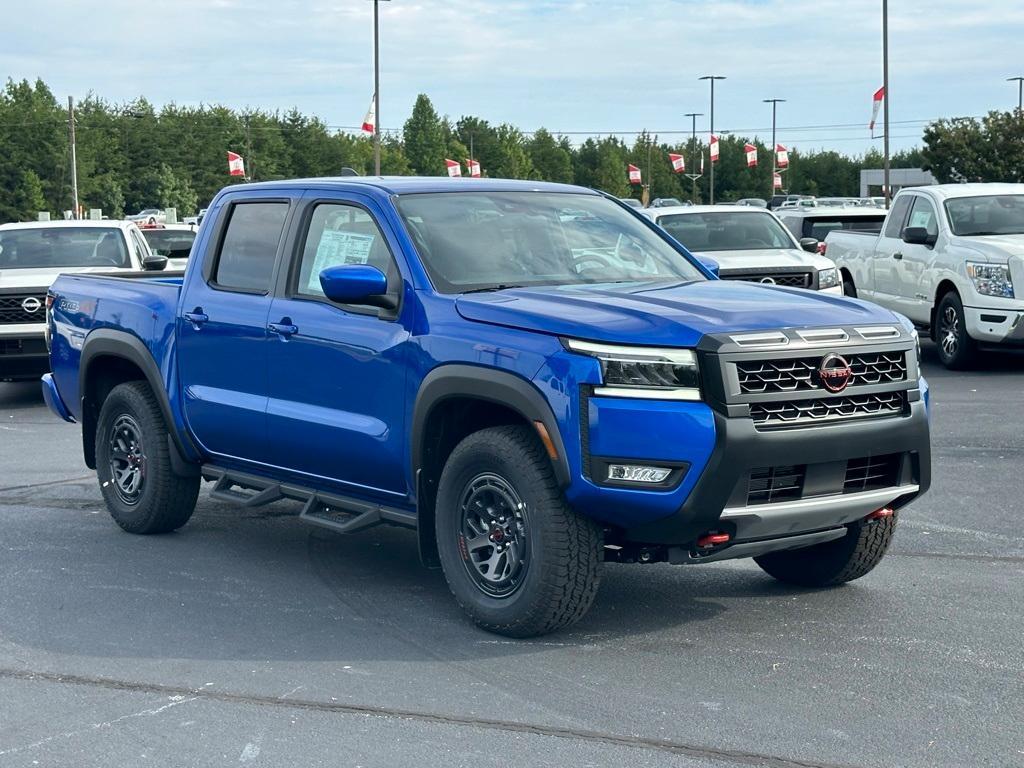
[
  {"x": 778, "y": 201},
  {"x": 665, "y": 202},
  {"x": 148, "y": 216},
  {"x": 531, "y": 393},
  {"x": 816, "y": 223},
  {"x": 31, "y": 256},
  {"x": 171, "y": 240},
  {"x": 838, "y": 202},
  {"x": 951, "y": 258},
  {"x": 632, "y": 202},
  {"x": 195, "y": 220},
  {"x": 749, "y": 244},
  {"x": 753, "y": 202}
]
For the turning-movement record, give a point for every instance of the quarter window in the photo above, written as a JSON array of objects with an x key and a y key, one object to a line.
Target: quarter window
[
  {"x": 250, "y": 245},
  {"x": 339, "y": 235}
]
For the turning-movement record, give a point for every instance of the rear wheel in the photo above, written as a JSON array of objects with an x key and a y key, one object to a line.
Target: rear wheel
[
  {"x": 957, "y": 349},
  {"x": 834, "y": 562},
  {"x": 849, "y": 289},
  {"x": 133, "y": 464},
  {"x": 518, "y": 560}
]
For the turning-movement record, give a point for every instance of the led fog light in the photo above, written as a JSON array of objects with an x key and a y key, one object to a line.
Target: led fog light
[{"x": 635, "y": 473}]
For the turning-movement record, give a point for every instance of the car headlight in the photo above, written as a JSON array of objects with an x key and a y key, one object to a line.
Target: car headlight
[
  {"x": 828, "y": 278},
  {"x": 991, "y": 279},
  {"x": 649, "y": 372}
]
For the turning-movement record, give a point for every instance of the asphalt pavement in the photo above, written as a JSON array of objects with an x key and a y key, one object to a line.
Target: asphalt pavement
[{"x": 249, "y": 638}]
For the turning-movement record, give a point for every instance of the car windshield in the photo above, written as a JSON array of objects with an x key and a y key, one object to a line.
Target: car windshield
[
  {"x": 172, "y": 243},
  {"x": 40, "y": 248},
  {"x": 478, "y": 241},
  {"x": 726, "y": 231},
  {"x": 988, "y": 215}
]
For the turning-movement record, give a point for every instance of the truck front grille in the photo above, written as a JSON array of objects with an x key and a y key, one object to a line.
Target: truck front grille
[
  {"x": 788, "y": 413},
  {"x": 787, "y": 279},
  {"x": 770, "y": 484},
  {"x": 14, "y": 308},
  {"x": 800, "y": 374}
]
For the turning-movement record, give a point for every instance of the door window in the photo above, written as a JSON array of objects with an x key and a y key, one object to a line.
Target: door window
[
  {"x": 898, "y": 214},
  {"x": 249, "y": 248},
  {"x": 340, "y": 234},
  {"x": 923, "y": 215}
]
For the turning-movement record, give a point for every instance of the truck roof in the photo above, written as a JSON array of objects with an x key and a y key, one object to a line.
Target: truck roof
[
  {"x": 402, "y": 185},
  {"x": 947, "y": 191},
  {"x": 675, "y": 209},
  {"x": 62, "y": 224}
]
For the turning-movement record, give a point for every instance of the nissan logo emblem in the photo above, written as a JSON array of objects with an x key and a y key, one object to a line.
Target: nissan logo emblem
[
  {"x": 31, "y": 304},
  {"x": 768, "y": 280},
  {"x": 834, "y": 373}
]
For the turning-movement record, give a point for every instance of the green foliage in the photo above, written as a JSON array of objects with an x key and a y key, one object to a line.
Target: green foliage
[
  {"x": 965, "y": 149},
  {"x": 424, "y": 135}
]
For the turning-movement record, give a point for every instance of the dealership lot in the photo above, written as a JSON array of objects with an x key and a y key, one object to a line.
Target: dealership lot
[{"x": 249, "y": 638}]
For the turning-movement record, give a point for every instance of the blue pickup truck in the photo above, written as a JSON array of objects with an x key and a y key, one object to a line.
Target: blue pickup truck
[{"x": 531, "y": 376}]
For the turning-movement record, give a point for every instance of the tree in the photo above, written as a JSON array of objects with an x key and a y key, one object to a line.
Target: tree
[
  {"x": 514, "y": 162},
  {"x": 27, "y": 199},
  {"x": 965, "y": 149},
  {"x": 551, "y": 159},
  {"x": 424, "y": 139}
]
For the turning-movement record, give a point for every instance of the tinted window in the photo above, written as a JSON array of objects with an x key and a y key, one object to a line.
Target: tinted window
[
  {"x": 818, "y": 228},
  {"x": 489, "y": 240},
  {"x": 340, "y": 234},
  {"x": 988, "y": 215},
  {"x": 63, "y": 247},
  {"x": 923, "y": 215},
  {"x": 726, "y": 231},
  {"x": 894, "y": 224},
  {"x": 250, "y": 246},
  {"x": 172, "y": 243}
]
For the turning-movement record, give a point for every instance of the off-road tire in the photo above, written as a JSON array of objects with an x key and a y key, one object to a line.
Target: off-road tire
[
  {"x": 166, "y": 500},
  {"x": 565, "y": 550},
  {"x": 949, "y": 317},
  {"x": 834, "y": 562}
]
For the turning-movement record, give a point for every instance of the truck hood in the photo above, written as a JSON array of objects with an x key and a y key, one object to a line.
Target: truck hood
[
  {"x": 33, "y": 277},
  {"x": 993, "y": 248},
  {"x": 765, "y": 259},
  {"x": 669, "y": 314}
]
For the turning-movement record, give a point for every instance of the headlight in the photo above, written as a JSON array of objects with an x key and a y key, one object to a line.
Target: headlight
[
  {"x": 828, "y": 278},
  {"x": 991, "y": 279},
  {"x": 649, "y": 372}
]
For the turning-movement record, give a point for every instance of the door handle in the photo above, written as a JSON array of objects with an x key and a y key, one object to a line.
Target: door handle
[
  {"x": 898, "y": 256},
  {"x": 283, "y": 329},
  {"x": 197, "y": 317}
]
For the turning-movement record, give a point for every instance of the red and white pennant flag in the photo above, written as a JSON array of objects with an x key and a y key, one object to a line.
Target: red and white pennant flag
[
  {"x": 454, "y": 168},
  {"x": 781, "y": 157},
  {"x": 474, "y": 168},
  {"x": 751, "y": 152},
  {"x": 678, "y": 162},
  {"x": 876, "y": 103},
  {"x": 714, "y": 148},
  {"x": 236, "y": 165},
  {"x": 634, "y": 174},
  {"x": 370, "y": 121},
  {"x": 777, "y": 181}
]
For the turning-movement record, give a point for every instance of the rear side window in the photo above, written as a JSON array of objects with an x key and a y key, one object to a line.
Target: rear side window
[
  {"x": 898, "y": 214},
  {"x": 249, "y": 248}
]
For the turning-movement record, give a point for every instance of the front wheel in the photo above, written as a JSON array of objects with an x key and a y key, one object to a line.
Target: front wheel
[
  {"x": 518, "y": 560},
  {"x": 834, "y": 562},
  {"x": 957, "y": 350}
]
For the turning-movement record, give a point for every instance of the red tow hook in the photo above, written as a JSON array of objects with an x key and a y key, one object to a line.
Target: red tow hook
[
  {"x": 712, "y": 540},
  {"x": 879, "y": 514}
]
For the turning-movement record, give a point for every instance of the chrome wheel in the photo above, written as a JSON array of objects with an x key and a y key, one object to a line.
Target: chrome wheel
[
  {"x": 127, "y": 459},
  {"x": 949, "y": 332},
  {"x": 493, "y": 536}
]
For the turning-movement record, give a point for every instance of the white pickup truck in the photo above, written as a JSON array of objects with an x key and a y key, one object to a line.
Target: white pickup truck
[{"x": 951, "y": 258}]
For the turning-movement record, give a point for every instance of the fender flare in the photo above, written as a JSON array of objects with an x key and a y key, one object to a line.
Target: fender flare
[
  {"x": 499, "y": 387},
  {"x": 108, "y": 342}
]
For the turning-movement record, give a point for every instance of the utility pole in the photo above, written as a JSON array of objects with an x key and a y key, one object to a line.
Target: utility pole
[
  {"x": 1020, "y": 91},
  {"x": 711, "y": 186},
  {"x": 248, "y": 150},
  {"x": 650, "y": 170},
  {"x": 376, "y": 87},
  {"x": 74, "y": 156},
  {"x": 885, "y": 104},
  {"x": 693, "y": 148},
  {"x": 774, "y": 103}
]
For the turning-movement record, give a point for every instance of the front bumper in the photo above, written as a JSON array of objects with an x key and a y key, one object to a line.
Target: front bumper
[
  {"x": 23, "y": 356},
  {"x": 995, "y": 325}
]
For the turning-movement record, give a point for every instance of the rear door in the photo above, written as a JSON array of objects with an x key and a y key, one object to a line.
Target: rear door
[
  {"x": 337, "y": 372},
  {"x": 222, "y": 329},
  {"x": 888, "y": 254}
]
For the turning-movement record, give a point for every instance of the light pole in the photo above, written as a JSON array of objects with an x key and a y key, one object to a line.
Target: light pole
[
  {"x": 693, "y": 146},
  {"x": 376, "y": 86},
  {"x": 74, "y": 155},
  {"x": 711, "y": 185},
  {"x": 1020, "y": 91},
  {"x": 885, "y": 101},
  {"x": 774, "y": 103}
]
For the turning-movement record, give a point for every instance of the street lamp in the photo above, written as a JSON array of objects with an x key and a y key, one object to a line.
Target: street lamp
[
  {"x": 711, "y": 186},
  {"x": 1020, "y": 91},
  {"x": 376, "y": 86},
  {"x": 693, "y": 146},
  {"x": 774, "y": 103}
]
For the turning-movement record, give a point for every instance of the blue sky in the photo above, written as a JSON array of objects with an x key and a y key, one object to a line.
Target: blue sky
[{"x": 602, "y": 66}]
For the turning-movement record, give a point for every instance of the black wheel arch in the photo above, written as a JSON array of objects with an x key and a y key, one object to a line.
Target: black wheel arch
[{"x": 111, "y": 357}]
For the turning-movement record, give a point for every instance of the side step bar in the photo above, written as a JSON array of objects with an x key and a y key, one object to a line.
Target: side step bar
[{"x": 341, "y": 514}]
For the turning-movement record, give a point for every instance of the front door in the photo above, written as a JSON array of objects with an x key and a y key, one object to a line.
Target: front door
[
  {"x": 915, "y": 295},
  {"x": 336, "y": 407},
  {"x": 222, "y": 331},
  {"x": 885, "y": 263}
]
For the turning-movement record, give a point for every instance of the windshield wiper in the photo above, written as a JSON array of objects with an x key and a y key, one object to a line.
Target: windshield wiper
[{"x": 498, "y": 287}]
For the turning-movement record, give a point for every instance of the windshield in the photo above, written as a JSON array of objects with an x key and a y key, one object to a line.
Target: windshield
[
  {"x": 172, "y": 243},
  {"x": 726, "y": 231},
  {"x": 989, "y": 215},
  {"x": 489, "y": 240},
  {"x": 62, "y": 247}
]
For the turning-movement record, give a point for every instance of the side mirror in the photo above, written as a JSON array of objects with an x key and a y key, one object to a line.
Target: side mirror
[
  {"x": 918, "y": 236},
  {"x": 809, "y": 244},
  {"x": 154, "y": 262},
  {"x": 357, "y": 284},
  {"x": 709, "y": 264}
]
